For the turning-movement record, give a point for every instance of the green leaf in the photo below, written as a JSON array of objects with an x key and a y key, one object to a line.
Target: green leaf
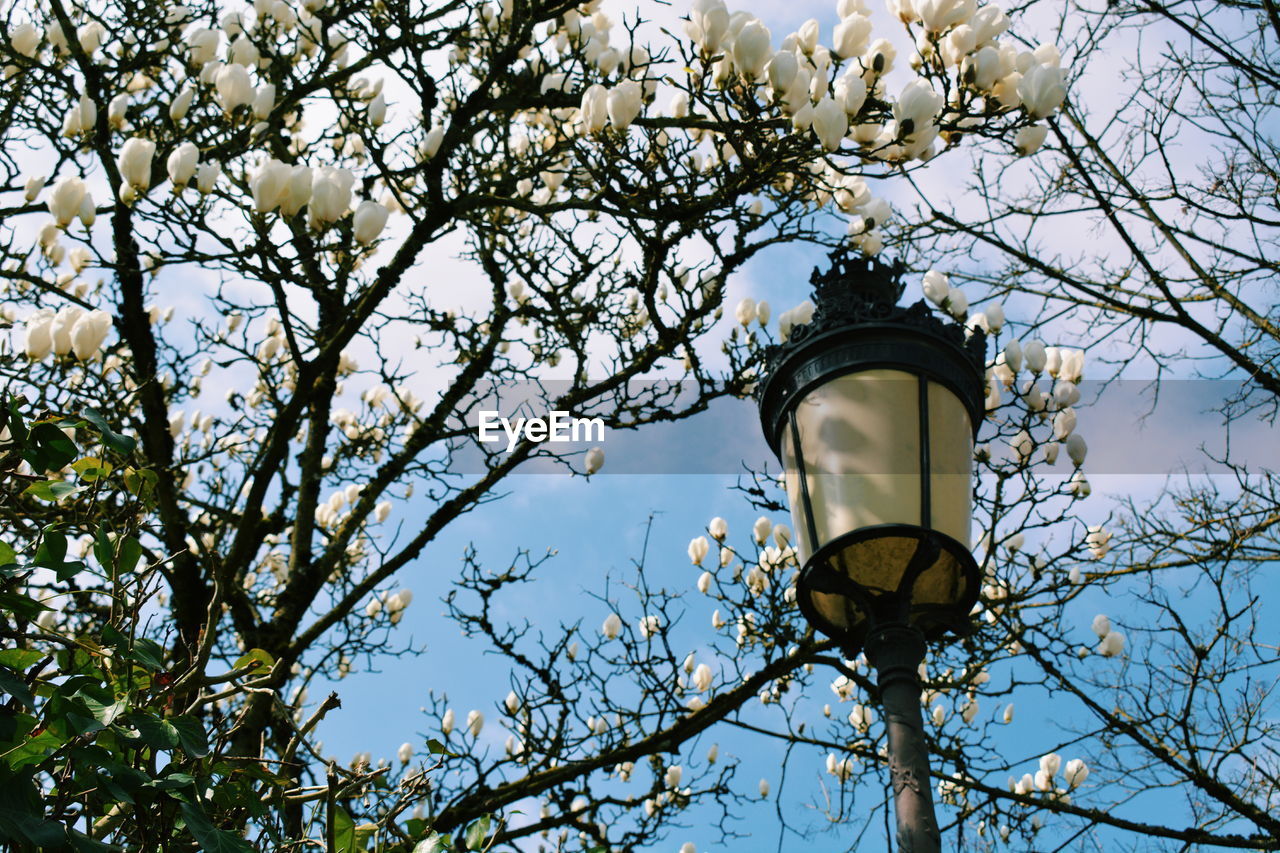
[
  {"x": 433, "y": 843},
  {"x": 210, "y": 838},
  {"x": 91, "y": 468},
  {"x": 173, "y": 781},
  {"x": 19, "y": 659},
  {"x": 8, "y": 556},
  {"x": 102, "y": 703},
  {"x": 12, "y": 683},
  {"x": 21, "y": 817},
  {"x": 122, "y": 444},
  {"x": 149, "y": 653},
  {"x": 154, "y": 732},
  {"x": 52, "y": 554},
  {"x": 264, "y": 659},
  {"x": 48, "y": 448},
  {"x": 51, "y": 490},
  {"x": 191, "y": 736},
  {"x": 344, "y": 831},
  {"x": 34, "y": 749},
  {"x": 476, "y": 833},
  {"x": 141, "y": 483},
  {"x": 435, "y": 747},
  {"x": 21, "y": 605}
]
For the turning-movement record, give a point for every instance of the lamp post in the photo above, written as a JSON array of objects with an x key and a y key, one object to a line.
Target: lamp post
[{"x": 872, "y": 409}]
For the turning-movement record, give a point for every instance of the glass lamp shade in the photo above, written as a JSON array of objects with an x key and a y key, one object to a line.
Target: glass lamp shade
[{"x": 874, "y": 426}]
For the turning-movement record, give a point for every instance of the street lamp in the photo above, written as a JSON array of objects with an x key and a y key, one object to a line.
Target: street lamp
[{"x": 872, "y": 409}]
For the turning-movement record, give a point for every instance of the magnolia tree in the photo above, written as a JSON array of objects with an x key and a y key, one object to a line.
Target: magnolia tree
[
  {"x": 1147, "y": 233},
  {"x": 240, "y": 388}
]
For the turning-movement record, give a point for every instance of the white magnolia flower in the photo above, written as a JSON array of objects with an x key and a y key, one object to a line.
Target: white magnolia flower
[
  {"x": 116, "y": 110},
  {"x": 688, "y": 847},
  {"x": 672, "y": 776},
  {"x": 475, "y": 723},
  {"x": 38, "y": 326},
  {"x": 879, "y": 57},
  {"x": 1112, "y": 644},
  {"x": 431, "y": 143},
  {"x": 264, "y": 101},
  {"x": 368, "y": 221},
  {"x": 207, "y": 176},
  {"x": 181, "y": 104},
  {"x": 182, "y": 164},
  {"x": 1052, "y": 360},
  {"x": 63, "y": 322},
  {"x": 916, "y": 108},
  {"x": 624, "y": 103},
  {"x": 830, "y": 123},
  {"x": 233, "y": 86},
  {"x": 89, "y": 332},
  {"x": 594, "y": 460},
  {"x": 781, "y": 71},
  {"x": 650, "y": 625},
  {"x": 594, "y": 108},
  {"x": 936, "y": 286},
  {"x": 330, "y": 195},
  {"x": 995, "y": 318},
  {"x": 762, "y": 528},
  {"x": 704, "y": 583},
  {"x": 512, "y": 702},
  {"x": 1064, "y": 423},
  {"x": 745, "y": 312},
  {"x": 32, "y": 188},
  {"x": 90, "y": 36},
  {"x": 762, "y": 313},
  {"x": 405, "y": 753},
  {"x": 134, "y": 162},
  {"x": 940, "y": 15},
  {"x": 269, "y": 185},
  {"x": 709, "y": 20},
  {"x": 1028, "y": 140},
  {"x": 1050, "y": 764},
  {"x": 612, "y": 626},
  {"x": 698, "y": 550},
  {"x": 446, "y": 722},
  {"x": 1075, "y": 773},
  {"x": 1076, "y": 448},
  {"x": 718, "y": 528},
  {"x": 1008, "y": 713},
  {"x": 1042, "y": 90},
  {"x": 65, "y": 198},
  {"x": 202, "y": 44},
  {"x": 377, "y": 110},
  {"x": 1035, "y": 356},
  {"x": 1013, "y": 356},
  {"x": 752, "y": 49},
  {"x": 957, "y": 303},
  {"x": 25, "y": 39}
]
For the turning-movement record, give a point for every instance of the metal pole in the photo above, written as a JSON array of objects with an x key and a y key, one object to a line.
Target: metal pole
[{"x": 896, "y": 650}]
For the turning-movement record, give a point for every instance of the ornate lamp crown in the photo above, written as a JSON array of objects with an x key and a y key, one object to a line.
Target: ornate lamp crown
[{"x": 856, "y": 312}]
